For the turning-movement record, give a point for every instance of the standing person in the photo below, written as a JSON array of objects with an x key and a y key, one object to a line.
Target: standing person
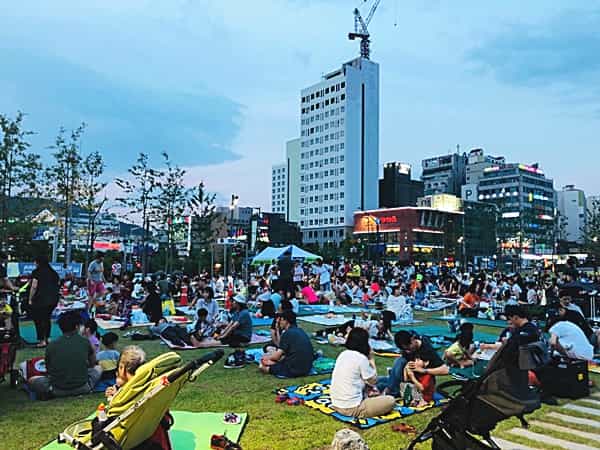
[
  {"x": 152, "y": 304},
  {"x": 95, "y": 279},
  {"x": 323, "y": 273},
  {"x": 286, "y": 269},
  {"x": 43, "y": 298},
  {"x": 298, "y": 274}
]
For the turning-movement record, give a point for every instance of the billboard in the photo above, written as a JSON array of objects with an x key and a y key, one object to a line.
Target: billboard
[{"x": 16, "y": 269}]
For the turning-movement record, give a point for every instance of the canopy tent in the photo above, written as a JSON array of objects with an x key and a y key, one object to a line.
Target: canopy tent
[{"x": 271, "y": 253}]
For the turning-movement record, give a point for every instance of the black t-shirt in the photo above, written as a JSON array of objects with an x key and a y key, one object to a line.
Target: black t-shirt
[
  {"x": 47, "y": 286},
  {"x": 298, "y": 351},
  {"x": 3, "y": 273},
  {"x": 524, "y": 335},
  {"x": 579, "y": 320},
  {"x": 427, "y": 353},
  {"x": 153, "y": 307}
]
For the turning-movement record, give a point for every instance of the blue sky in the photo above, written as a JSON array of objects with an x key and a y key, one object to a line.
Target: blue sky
[{"x": 216, "y": 84}]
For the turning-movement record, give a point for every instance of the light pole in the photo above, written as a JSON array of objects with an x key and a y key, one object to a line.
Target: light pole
[{"x": 234, "y": 202}]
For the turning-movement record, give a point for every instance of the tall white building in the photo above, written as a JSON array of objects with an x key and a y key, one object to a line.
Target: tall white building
[
  {"x": 339, "y": 150},
  {"x": 292, "y": 153},
  {"x": 572, "y": 206},
  {"x": 279, "y": 191}
]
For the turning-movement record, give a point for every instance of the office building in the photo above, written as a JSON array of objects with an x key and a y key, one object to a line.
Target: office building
[
  {"x": 339, "y": 150},
  {"x": 396, "y": 188},
  {"x": 572, "y": 207},
  {"x": 444, "y": 174},
  {"x": 525, "y": 199},
  {"x": 279, "y": 189}
]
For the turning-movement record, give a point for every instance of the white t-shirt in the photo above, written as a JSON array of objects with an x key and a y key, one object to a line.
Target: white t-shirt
[
  {"x": 324, "y": 273},
  {"x": 396, "y": 304},
  {"x": 532, "y": 296},
  {"x": 348, "y": 379},
  {"x": 573, "y": 340},
  {"x": 298, "y": 273}
]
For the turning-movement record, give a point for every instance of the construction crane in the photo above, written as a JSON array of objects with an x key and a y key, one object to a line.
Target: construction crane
[{"x": 361, "y": 32}]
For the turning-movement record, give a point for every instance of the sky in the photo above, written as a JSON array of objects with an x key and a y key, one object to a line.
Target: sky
[{"x": 216, "y": 84}]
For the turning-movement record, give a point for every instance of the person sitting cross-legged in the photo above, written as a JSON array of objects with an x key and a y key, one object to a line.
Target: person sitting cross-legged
[
  {"x": 294, "y": 357},
  {"x": 70, "y": 362}
]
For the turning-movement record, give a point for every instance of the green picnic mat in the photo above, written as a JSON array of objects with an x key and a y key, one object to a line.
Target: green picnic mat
[
  {"x": 469, "y": 373},
  {"x": 483, "y": 322},
  {"x": 27, "y": 330},
  {"x": 191, "y": 431},
  {"x": 442, "y": 331}
]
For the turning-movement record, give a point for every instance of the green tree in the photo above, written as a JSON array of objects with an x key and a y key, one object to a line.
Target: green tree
[
  {"x": 591, "y": 230},
  {"x": 19, "y": 168},
  {"x": 139, "y": 198},
  {"x": 63, "y": 180},
  {"x": 170, "y": 205},
  {"x": 92, "y": 168},
  {"x": 205, "y": 223}
]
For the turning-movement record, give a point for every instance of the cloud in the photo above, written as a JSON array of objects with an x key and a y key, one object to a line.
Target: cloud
[
  {"x": 559, "y": 53},
  {"x": 195, "y": 127}
]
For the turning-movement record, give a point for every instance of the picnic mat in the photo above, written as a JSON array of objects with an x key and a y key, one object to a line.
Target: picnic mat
[
  {"x": 483, "y": 322},
  {"x": 594, "y": 366},
  {"x": 469, "y": 373},
  {"x": 211, "y": 343},
  {"x": 261, "y": 321},
  {"x": 191, "y": 431},
  {"x": 441, "y": 331},
  {"x": 321, "y": 365},
  {"x": 27, "y": 331},
  {"x": 116, "y": 324},
  {"x": 437, "y": 305},
  {"x": 326, "y": 321},
  {"x": 316, "y": 396}
]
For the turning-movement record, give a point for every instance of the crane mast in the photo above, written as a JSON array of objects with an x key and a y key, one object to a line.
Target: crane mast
[{"x": 361, "y": 30}]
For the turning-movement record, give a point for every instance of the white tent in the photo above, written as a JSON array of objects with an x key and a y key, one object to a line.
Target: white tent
[{"x": 274, "y": 253}]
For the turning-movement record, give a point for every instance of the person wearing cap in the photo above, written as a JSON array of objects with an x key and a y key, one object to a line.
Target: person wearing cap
[
  {"x": 239, "y": 329},
  {"x": 295, "y": 355}
]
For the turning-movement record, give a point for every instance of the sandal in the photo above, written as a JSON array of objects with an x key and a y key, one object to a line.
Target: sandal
[{"x": 404, "y": 428}]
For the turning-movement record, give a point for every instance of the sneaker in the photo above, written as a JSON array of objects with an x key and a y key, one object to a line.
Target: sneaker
[
  {"x": 236, "y": 360},
  {"x": 220, "y": 442}
]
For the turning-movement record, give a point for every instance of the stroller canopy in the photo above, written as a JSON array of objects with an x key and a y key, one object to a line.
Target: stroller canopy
[{"x": 271, "y": 253}]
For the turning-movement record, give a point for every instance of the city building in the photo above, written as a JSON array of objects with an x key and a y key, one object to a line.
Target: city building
[
  {"x": 339, "y": 150},
  {"x": 292, "y": 152},
  {"x": 477, "y": 162},
  {"x": 572, "y": 207},
  {"x": 396, "y": 188},
  {"x": 444, "y": 174},
  {"x": 279, "y": 190},
  {"x": 409, "y": 234},
  {"x": 480, "y": 245},
  {"x": 235, "y": 221},
  {"x": 525, "y": 198},
  {"x": 442, "y": 202},
  {"x": 271, "y": 229}
]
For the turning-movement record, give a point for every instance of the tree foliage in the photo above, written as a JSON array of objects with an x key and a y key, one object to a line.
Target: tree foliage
[
  {"x": 92, "y": 168},
  {"x": 591, "y": 229}
]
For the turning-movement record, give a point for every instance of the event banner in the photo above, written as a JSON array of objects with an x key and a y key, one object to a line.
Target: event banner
[{"x": 17, "y": 269}]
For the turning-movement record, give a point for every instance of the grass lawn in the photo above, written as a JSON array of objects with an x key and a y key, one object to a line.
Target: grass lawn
[{"x": 29, "y": 425}]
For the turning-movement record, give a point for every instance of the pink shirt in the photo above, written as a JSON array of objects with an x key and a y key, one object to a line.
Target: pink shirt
[{"x": 309, "y": 294}]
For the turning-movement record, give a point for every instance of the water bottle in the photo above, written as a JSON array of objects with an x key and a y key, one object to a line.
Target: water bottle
[
  {"x": 101, "y": 414},
  {"x": 407, "y": 398}
]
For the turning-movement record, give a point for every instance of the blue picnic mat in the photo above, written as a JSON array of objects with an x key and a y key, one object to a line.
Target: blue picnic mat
[
  {"x": 261, "y": 321},
  {"x": 443, "y": 331},
  {"x": 321, "y": 365},
  {"x": 316, "y": 396}
]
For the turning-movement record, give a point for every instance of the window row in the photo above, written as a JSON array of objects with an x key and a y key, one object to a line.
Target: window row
[
  {"x": 322, "y": 92},
  {"x": 321, "y": 221}
]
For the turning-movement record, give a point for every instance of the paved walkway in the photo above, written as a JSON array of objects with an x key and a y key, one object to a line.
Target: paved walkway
[{"x": 583, "y": 414}]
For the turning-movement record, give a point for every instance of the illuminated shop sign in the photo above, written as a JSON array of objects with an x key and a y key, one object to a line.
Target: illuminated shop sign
[
  {"x": 531, "y": 169},
  {"x": 388, "y": 219}
]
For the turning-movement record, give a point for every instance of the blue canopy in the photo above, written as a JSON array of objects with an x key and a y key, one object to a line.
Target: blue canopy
[{"x": 274, "y": 253}]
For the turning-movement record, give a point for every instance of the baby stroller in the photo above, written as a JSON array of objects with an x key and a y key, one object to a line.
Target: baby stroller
[
  {"x": 9, "y": 342},
  {"x": 478, "y": 405},
  {"x": 139, "y": 411}
]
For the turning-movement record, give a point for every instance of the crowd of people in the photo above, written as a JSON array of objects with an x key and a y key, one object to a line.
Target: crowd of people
[{"x": 390, "y": 292}]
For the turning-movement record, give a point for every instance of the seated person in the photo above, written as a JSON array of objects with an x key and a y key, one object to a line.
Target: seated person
[
  {"x": 294, "y": 357},
  {"x": 6, "y": 313},
  {"x": 203, "y": 328},
  {"x": 413, "y": 346},
  {"x": 90, "y": 331},
  {"x": 129, "y": 361},
  {"x": 70, "y": 362},
  {"x": 108, "y": 358},
  {"x": 397, "y": 302},
  {"x": 421, "y": 384},
  {"x": 285, "y": 305},
  {"x": 567, "y": 302},
  {"x": 353, "y": 375},
  {"x": 309, "y": 296},
  {"x": 239, "y": 330},
  {"x": 468, "y": 305},
  {"x": 208, "y": 302},
  {"x": 460, "y": 353},
  {"x": 568, "y": 340},
  {"x": 571, "y": 315}
]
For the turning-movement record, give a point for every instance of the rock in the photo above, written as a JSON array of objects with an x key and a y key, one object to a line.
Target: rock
[{"x": 347, "y": 439}]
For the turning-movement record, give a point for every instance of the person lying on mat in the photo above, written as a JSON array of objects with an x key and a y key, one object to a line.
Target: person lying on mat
[
  {"x": 172, "y": 332},
  {"x": 354, "y": 375},
  {"x": 70, "y": 362},
  {"x": 295, "y": 355},
  {"x": 413, "y": 346},
  {"x": 131, "y": 358},
  {"x": 239, "y": 330}
]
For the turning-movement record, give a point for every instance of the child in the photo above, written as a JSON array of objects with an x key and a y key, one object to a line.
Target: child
[
  {"x": 129, "y": 361},
  {"x": 459, "y": 354},
  {"x": 203, "y": 327},
  {"x": 6, "y": 313},
  {"x": 420, "y": 386},
  {"x": 90, "y": 331},
  {"x": 108, "y": 357}
]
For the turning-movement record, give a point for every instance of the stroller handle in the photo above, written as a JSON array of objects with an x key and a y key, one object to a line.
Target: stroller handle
[{"x": 209, "y": 358}]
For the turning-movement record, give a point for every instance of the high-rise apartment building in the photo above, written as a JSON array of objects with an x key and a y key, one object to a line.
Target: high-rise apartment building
[
  {"x": 279, "y": 188},
  {"x": 572, "y": 210},
  {"x": 444, "y": 174},
  {"x": 339, "y": 150}
]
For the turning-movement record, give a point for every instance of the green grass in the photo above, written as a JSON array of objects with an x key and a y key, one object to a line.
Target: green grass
[{"x": 29, "y": 425}]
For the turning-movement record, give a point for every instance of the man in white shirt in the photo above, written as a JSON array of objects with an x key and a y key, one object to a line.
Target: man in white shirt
[
  {"x": 567, "y": 339},
  {"x": 323, "y": 271}
]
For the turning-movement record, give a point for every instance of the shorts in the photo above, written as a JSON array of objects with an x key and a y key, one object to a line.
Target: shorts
[
  {"x": 95, "y": 287},
  {"x": 280, "y": 369}
]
